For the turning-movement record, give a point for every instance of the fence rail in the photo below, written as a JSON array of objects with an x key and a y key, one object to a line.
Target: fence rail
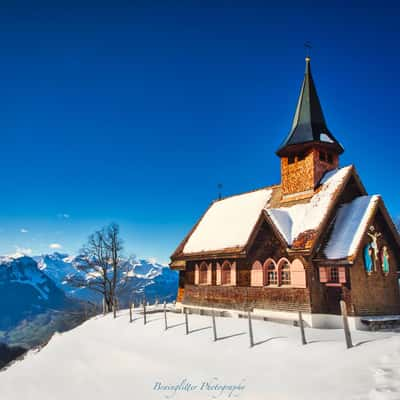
[{"x": 144, "y": 309}]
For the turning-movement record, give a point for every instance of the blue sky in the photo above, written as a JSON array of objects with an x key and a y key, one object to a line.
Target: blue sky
[{"x": 134, "y": 111}]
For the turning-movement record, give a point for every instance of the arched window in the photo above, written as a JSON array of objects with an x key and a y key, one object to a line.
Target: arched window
[
  {"x": 284, "y": 272},
  {"x": 257, "y": 275},
  {"x": 271, "y": 272},
  {"x": 203, "y": 275},
  {"x": 226, "y": 273}
]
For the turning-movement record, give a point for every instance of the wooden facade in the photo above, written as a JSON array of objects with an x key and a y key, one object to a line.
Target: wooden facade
[
  {"x": 271, "y": 272},
  {"x": 314, "y": 286}
]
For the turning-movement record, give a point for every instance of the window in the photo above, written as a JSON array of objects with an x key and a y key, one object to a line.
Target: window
[
  {"x": 226, "y": 274},
  {"x": 291, "y": 159},
  {"x": 333, "y": 275},
  {"x": 301, "y": 156},
  {"x": 272, "y": 276},
  {"x": 322, "y": 156},
  {"x": 203, "y": 275},
  {"x": 330, "y": 158},
  {"x": 285, "y": 273}
]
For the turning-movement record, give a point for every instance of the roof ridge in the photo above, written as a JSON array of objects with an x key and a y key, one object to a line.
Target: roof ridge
[{"x": 247, "y": 192}]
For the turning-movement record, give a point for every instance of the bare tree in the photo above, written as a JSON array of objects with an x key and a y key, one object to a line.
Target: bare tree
[
  {"x": 100, "y": 264},
  {"x": 113, "y": 245}
]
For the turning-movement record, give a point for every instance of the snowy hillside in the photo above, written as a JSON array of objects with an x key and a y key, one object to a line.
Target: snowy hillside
[{"x": 106, "y": 358}]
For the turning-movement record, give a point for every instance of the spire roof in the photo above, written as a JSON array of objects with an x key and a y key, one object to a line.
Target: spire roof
[{"x": 309, "y": 123}]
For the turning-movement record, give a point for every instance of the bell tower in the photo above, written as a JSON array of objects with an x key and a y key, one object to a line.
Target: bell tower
[{"x": 310, "y": 149}]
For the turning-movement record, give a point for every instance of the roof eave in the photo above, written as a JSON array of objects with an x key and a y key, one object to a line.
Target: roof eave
[
  {"x": 291, "y": 148},
  {"x": 338, "y": 261},
  {"x": 212, "y": 254}
]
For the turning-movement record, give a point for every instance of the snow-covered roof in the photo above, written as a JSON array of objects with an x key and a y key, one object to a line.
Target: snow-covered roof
[
  {"x": 350, "y": 225},
  {"x": 228, "y": 223},
  {"x": 299, "y": 218},
  {"x": 325, "y": 138}
]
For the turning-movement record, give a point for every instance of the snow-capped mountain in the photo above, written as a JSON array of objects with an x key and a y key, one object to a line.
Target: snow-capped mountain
[
  {"x": 37, "y": 297},
  {"x": 140, "y": 277},
  {"x": 25, "y": 291},
  {"x": 59, "y": 268}
]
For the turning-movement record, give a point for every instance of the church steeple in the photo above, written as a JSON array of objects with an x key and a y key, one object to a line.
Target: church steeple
[
  {"x": 310, "y": 149},
  {"x": 309, "y": 123}
]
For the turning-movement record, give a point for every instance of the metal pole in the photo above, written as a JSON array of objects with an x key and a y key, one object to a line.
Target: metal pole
[
  {"x": 165, "y": 315},
  {"x": 250, "y": 329},
  {"x": 186, "y": 321},
  {"x": 214, "y": 325},
  {"x": 144, "y": 314},
  {"x": 347, "y": 333},
  {"x": 301, "y": 324},
  {"x": 130, "y": 312}
]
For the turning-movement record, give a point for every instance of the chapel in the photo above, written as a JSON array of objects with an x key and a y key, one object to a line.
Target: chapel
[{"x": 303, "y": 245}]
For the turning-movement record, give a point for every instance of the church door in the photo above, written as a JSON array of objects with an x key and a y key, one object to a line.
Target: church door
[{"x": 333, "y": 297}]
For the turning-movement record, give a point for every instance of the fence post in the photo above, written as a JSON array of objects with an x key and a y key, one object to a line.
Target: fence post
[
  {"x": 165, "y": 315},
  {"x": 347, "y": 333},
  {"x": 186, "y": 321},
  {"x": 301, "y": 324},
  {"x": 214, "y": 325},
  {"x": 144, "y": 314},
  {"x": 130, "y": 312},
  {"x": 250, "y": 329}
]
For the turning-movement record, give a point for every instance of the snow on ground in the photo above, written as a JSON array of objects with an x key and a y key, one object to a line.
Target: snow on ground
[{"x": 113, "y": 359}]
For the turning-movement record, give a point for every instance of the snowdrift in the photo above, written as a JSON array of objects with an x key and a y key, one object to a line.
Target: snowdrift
[{"x": 111, "y": 358}]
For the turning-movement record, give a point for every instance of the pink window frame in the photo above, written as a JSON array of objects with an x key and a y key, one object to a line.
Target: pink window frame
[{"x": 267, "y": 263}]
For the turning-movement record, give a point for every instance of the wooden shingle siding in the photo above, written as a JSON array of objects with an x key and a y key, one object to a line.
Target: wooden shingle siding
[{"x": 239, "y": 298}]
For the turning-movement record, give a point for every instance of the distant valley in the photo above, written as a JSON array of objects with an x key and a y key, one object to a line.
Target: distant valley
[{"x": 38, "y": 297}]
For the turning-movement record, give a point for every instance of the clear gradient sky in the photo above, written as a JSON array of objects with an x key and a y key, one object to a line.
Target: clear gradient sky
[{"x": 134, "y": 111}]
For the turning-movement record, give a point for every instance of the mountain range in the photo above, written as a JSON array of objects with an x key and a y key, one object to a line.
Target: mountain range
[
  {"x": 38, "y": 298},
  {"x": 138, "y": 278}
]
